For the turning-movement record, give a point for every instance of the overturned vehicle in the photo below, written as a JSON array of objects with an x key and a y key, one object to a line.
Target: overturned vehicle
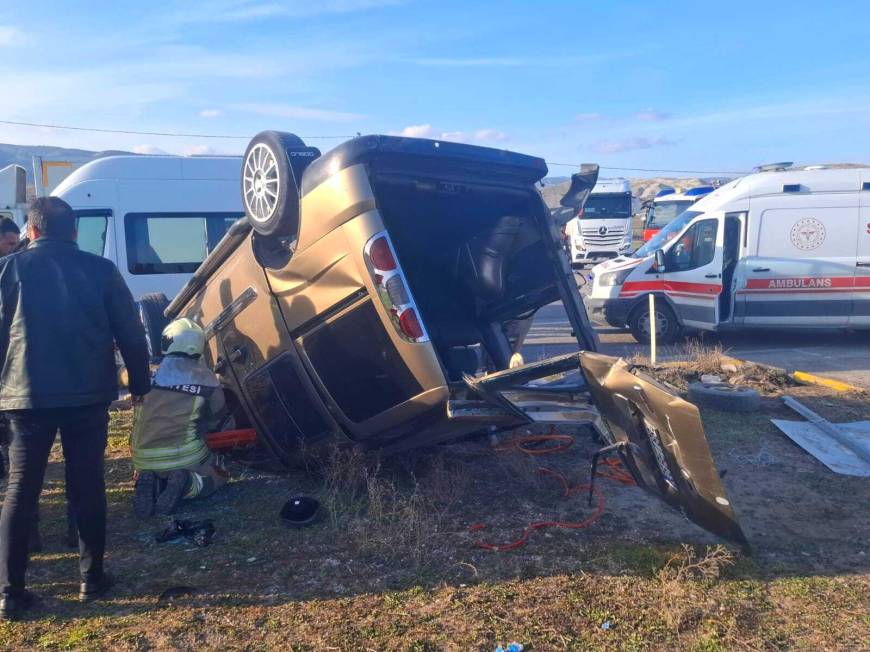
[{"x": 369, "y": 290}]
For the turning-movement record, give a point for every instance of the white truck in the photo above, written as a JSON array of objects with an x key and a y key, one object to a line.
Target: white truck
[
  {"x": 602, "y": 228},
  {"x": 780, "y": 249}
]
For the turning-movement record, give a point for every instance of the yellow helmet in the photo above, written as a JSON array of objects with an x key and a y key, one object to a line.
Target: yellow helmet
[{"x": 183, "y": 336}]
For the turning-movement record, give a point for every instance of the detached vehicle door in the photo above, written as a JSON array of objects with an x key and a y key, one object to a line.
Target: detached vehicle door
[{"x": 662, "y": 443}]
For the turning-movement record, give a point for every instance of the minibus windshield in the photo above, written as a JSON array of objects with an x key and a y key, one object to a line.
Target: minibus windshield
[
  {"x": 663, "y": 213},
  {"x": 666, "y": 234}
]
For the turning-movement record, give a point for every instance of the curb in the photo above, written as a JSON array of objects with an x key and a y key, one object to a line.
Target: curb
[{"x": 838, "y": 385}]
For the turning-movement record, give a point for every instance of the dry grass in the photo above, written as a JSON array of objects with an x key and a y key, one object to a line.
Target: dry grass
[
  {"x": 386, "y": 511},
  {"x": 697, "y": 359},
  {"x": 392, "y": 566}
]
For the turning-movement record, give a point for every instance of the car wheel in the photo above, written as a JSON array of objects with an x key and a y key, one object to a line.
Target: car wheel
[
  {"x": 270, "y": 191},
  {"x": 723, "y": 396},
  {"x": 151, "y": 308},
  {"x": 667, "y": 326}
]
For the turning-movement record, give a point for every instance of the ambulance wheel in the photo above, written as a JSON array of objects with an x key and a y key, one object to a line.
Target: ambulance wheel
[
  {"x": 667, "y": 326},
  {"x": 151, "y": 307},
  {"x": 269, "y": 188}
]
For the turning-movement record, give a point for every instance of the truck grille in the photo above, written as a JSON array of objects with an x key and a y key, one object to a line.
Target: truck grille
[{"x": 612, "y": 238}]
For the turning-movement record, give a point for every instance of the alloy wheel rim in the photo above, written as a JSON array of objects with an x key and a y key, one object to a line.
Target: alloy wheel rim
[{"x": 261, "y": 183}]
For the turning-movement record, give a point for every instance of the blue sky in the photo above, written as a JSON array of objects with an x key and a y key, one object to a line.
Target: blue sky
[{"x": 633, "y": 84}]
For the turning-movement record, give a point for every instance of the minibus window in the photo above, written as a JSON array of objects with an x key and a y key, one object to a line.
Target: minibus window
[
  {"x": 695, "y": 248},
  {"x": 172, "y": 243},
  {"x": 92, "y": 226}
]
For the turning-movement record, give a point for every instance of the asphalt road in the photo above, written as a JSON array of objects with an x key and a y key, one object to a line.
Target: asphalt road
[{"x": 838, "y": 354}]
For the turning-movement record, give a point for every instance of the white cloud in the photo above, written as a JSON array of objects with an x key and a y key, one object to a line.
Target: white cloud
[
  {"x": 294, "y": 112},
  {"x": 514, "y": 62},
  {"x": 588, "y": 117},
  {"x": 148, "y": 149},
  {"x": 428, "y": 131},
  {"x": 630, "y": 144},
  {"x": 11, "y": 36},
  {"x": 419, "y": 131},
  {"x": 200, "y": 150},
  {"x": 651, "y": 115},
  {"x": 491, "y": 135},
  {"x": 252, "y": 10},
  {"x": 210, "y": 113}
]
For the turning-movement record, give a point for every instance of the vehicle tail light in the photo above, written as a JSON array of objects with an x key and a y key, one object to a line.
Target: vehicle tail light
[
  {"x": 392, "y": 288},
  {"x": 381, "y": 254},
  {"x": 410, "y": 324}
]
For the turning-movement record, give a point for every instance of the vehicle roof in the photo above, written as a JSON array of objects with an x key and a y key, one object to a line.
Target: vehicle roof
[
  {"x": 155, "y": 167},
  {"x": 763, "y": 184},
  {"x": 611, "y": 185},
  {"x": 675, "y": 196},
  {"x": 444, "y": 156}
]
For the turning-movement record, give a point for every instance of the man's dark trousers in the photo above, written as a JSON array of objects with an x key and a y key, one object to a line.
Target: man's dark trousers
[{"x": 83, "y": 432}]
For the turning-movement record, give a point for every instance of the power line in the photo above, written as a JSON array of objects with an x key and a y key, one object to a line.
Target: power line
[
  {"x": 146, "y": 133},
  {"x": 603, "y": 167},
  {"x": 237, "y": 137}
]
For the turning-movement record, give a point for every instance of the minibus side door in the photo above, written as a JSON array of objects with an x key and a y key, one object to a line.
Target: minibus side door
[{"x": 693, "y": 273}]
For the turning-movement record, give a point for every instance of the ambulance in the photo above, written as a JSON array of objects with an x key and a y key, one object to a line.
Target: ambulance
[
  {"x": 602, "y": 228},
  {"x": 777, "y": 249},
  {"x": 667, "y": 205}
]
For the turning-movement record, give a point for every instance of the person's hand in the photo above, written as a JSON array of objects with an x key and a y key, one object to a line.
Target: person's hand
[{"x": 137, "y": 400}]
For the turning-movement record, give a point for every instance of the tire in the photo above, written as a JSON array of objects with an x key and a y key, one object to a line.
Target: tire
[
  {"x": 667, "y": 326},
  {"x": 722, "y": 396},
  {"x": 270, "y": 185},
  {"x": 151, "y": 307}
]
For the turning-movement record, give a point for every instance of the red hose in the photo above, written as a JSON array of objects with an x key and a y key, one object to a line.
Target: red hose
[{"x": 614, "y": 471}]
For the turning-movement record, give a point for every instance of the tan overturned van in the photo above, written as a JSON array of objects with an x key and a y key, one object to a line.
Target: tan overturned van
[{"x": 368, "y": 288}]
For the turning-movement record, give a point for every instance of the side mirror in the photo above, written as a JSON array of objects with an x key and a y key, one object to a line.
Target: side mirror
[{"x": 660, "y": 261}]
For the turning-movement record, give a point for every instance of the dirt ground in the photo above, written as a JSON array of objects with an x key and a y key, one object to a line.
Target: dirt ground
[{"x": 393, "y": 564}]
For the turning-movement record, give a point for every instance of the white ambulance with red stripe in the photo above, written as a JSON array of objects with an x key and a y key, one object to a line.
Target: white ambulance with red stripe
[{"x": 788, "y": 248}]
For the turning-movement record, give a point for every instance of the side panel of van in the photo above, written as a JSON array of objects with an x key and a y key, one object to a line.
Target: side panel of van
[
  {"x": 861, "y": 297},
  {"x": 800, "y": 266}
]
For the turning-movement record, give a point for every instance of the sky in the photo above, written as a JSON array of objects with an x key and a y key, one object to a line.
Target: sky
[{"x": 706, "y": 87}]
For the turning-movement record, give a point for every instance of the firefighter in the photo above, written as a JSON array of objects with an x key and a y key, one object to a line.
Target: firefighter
[{"x": 168, "y": 440}]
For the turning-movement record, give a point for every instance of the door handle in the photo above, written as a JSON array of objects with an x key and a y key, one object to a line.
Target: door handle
[
  {"x": 862, "y": 264},
  {"x": 238, "y": 354},
  {"x": 761, "y": 269},
  {"x": 711, "y": 275}
]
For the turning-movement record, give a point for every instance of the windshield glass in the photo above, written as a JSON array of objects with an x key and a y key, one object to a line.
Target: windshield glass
[
  {"x": 666, "y": 234},
  {"x": 663, "y": 213},
  {"x": 616, "y": 206}
]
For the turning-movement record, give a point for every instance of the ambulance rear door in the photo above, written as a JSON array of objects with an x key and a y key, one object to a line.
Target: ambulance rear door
[{"x": 802, "y": 269}]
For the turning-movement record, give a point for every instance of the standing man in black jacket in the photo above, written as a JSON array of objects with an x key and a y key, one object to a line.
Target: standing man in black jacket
[{"x": 61, "y": 311}]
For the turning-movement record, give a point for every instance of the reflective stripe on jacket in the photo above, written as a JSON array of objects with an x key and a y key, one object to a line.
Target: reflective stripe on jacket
[{"x": 170, "y": 427}]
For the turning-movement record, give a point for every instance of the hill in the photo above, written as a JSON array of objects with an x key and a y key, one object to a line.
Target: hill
[{"x": 23, "y": 155}]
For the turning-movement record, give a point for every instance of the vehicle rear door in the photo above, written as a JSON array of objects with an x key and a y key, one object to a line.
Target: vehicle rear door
[
  {"x": 802, "y": 269},
  {"x": 662, "y": 443},
  {"x": 861, "y": 296},
  {"x": 693, "y": 273}
]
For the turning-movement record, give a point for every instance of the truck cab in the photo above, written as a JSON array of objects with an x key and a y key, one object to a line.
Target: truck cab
[
  {"x": 667, "y": 205},
  {"x": 776, "y": 249},
  {"x": 13, "y": 193},
  {"x": 602, "y": 228}
]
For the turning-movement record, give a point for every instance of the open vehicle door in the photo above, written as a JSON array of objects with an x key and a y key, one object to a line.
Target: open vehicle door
[
  {"x": 661, "y": 440},
  {"x": 658, "y": 435}
]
